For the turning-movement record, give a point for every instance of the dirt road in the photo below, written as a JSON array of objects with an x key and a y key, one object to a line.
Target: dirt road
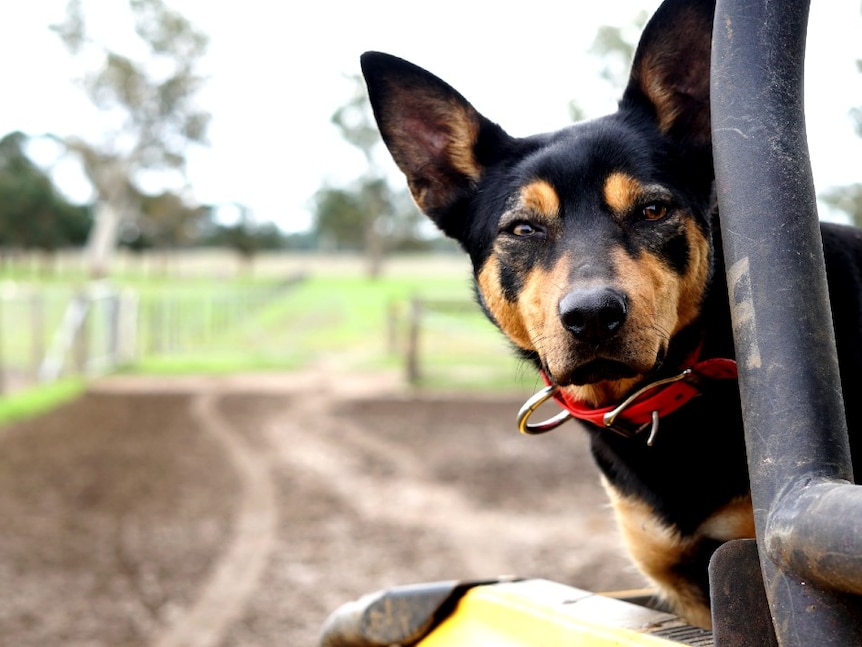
[{"x": 241, "y": 511}]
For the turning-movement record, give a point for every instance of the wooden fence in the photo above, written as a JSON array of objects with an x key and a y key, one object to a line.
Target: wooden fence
[
  {"x": 451, "y": 344},
  {"x": 49, "y": 332}
]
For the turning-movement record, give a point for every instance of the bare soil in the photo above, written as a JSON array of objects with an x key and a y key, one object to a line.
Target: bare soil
[{"x": 243, "y": 510}]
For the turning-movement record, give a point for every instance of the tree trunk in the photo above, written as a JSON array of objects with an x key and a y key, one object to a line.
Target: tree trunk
[{"x": 103, "y": 240}]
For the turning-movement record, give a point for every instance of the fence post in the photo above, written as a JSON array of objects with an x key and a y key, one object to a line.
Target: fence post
[
  {"x": 130, "y": 311},
  {"x": 112, "y": 317},
  {"x": 392, "y": 319},
  {"x": 414, "y": 324},
  {"x": 37, "y": 328},
  {"x": 80, "y": 346}
]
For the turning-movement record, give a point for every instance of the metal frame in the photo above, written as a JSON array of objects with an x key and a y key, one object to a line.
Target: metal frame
[{"x": 808, "y": 514}]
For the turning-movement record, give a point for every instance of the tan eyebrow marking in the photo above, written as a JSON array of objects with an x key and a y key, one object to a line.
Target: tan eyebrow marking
[
  {"x": 539, "y": 196},
  {"x": 622, "y": 192}
]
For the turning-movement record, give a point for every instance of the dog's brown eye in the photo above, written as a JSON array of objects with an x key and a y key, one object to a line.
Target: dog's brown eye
[
  {"x": 655, "y": 211},
  {"x": 523, "y": 229}
]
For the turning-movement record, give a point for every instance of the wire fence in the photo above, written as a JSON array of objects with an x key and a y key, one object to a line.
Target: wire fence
[{"x": 51, "y": 332}]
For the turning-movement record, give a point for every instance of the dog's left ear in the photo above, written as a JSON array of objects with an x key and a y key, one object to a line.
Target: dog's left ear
[
  {"x": 670, "y": 72},
  {"x": 436, "y": 137}
]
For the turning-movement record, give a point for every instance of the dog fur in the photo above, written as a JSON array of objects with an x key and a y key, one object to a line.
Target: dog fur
[{"x": 596, "y": 250}]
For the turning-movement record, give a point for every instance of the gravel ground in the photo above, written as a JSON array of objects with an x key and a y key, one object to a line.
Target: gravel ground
[{"x": 243, "y": 510}]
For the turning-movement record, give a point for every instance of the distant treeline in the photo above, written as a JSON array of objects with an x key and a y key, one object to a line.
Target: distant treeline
[{"x": 35, "y": 215}]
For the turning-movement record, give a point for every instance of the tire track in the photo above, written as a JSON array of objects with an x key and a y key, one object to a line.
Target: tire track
[
  {"x": 235, "y": 576},
  {"x": 409, "y": 497}
]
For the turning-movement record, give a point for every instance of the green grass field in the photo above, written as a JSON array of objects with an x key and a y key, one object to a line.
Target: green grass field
[
  {"x": 33, "y": 402},
  {"x": 342, "y": 320},
  {"x": 361, "y": 324}
]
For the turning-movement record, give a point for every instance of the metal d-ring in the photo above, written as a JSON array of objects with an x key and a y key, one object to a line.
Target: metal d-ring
[
  {"x": 610, "y": 417},
  {"x": 529, "y": 408}
]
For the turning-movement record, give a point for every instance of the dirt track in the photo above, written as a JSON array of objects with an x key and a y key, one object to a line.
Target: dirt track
[{"x": 241, "y": 511}]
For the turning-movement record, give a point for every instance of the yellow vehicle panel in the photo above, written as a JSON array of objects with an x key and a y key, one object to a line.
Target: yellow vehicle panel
[{"x": 540, "y": 613}]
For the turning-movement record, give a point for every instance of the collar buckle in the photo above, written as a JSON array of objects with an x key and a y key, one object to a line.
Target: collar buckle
[{"x": 610, "y": 417}]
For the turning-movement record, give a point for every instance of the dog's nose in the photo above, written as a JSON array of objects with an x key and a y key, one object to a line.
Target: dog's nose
[{"x": 593, "y": 314}]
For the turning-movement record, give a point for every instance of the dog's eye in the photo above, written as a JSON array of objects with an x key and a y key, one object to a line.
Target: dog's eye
[
  {"x": 524, "y": 229},
  {"x": 654, "y": 211}
]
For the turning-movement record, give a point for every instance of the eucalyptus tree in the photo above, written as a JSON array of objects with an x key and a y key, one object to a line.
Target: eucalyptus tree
[{"x": 147, "y": 95}]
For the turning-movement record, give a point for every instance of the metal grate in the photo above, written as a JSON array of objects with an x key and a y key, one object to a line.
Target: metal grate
[{"x": 687, "y": 635}]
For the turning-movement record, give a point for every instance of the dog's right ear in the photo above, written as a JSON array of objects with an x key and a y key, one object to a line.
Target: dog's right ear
[
  {"x": 436, "y": 137},
  {"x": 670, "y": 71}
]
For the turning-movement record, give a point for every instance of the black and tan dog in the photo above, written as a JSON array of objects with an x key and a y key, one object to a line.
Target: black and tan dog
[{"x": 596, "y": 251}]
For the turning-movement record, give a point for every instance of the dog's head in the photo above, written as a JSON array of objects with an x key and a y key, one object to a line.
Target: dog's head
[{"x": 590, "y": 245}]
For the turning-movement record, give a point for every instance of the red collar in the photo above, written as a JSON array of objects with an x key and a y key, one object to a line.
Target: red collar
[{"x": 641, "y": 409}]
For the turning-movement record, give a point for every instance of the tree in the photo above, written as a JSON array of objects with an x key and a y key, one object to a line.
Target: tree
[
  {"x": 615, "y": 48},
  {"x": 149, "y": 101},
  {"x": 247, "y": 239},
  {"x": 367, "y": 213},
  {"x": 849, "y": 198},
  {"x": 172, "y": 222},
  {"x": 33, "y": 214},
  {"x": 340, "y": 218},
  {"x": 245, "y": 236},
  {"x": 356, "y": 124}
]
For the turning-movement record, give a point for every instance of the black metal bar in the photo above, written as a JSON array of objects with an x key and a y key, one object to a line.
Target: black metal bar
[
  {"x": 794, "y": 417},
  {"x": 736, "y": 588}
]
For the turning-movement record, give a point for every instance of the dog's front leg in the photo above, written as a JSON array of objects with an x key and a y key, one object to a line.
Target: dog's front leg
[{"x": 677, "y": 565}]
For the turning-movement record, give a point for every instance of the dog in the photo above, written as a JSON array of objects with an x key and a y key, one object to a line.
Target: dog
[{"x": 596, "y": 251}]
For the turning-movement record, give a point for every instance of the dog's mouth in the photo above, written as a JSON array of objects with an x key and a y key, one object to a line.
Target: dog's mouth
[
  {"x": 598, "y": 370},
  {"x": 606, "y": 370}
]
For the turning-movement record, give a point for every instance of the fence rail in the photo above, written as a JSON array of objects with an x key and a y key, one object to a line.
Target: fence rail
[
  {"x": 448, "y": 343},
  {"x": 49, "y": 332}
]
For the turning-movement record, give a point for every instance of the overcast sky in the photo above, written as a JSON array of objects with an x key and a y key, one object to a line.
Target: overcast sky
[{"x": 278, "y": 73}]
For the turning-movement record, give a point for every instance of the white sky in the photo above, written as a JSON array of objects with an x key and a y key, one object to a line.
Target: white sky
[{"x": 278, "y": 73}]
